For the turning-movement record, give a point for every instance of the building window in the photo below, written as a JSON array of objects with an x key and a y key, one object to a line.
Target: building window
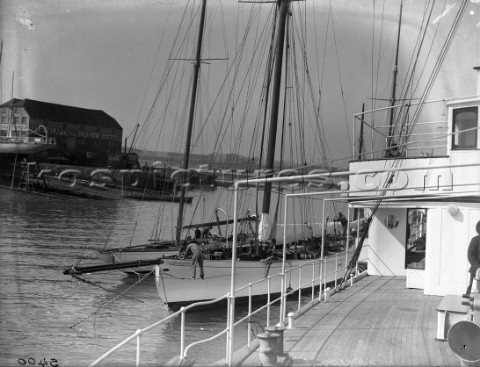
[
  {"x": 24, "y": 120},
  {"x": 416, "y": 238},
  {"x": 464, "y": 119}
]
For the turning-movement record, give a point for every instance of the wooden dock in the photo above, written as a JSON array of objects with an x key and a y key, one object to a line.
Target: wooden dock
[{"x": 377, "y": 322}]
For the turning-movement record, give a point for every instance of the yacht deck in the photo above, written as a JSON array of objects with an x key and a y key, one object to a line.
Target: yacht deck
[{"x": 377, "y": 322}]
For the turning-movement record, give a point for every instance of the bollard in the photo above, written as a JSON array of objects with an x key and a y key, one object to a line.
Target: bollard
[
  {"x": 180, "y": 362},
  {"x": 278, "y": 330},
  {"x": 325, "y": 294},
  {"x": 268, "y": 349},
  {"x": 290, "y": 317}
]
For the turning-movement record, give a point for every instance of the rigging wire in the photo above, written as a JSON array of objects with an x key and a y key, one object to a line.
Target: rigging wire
[
  {"x": 438, "y": 64},
  {"x": 402, "y": 122},
  {"x": 119, "y": 294},
  {"x": 144, "y": 135},
  {"x": 340, "y": 77}
]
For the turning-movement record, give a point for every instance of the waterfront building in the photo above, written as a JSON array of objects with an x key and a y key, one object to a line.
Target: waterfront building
[{"x": 79, "y": 135}]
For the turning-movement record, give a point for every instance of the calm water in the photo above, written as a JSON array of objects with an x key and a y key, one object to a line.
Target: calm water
[{"x": 48, "y": 316}]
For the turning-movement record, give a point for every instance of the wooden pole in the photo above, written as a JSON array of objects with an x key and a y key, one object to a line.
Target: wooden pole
[{"x": 193, "y": 99}]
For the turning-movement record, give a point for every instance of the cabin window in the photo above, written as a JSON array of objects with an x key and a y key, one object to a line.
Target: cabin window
[
  {"x": 464, "y": 119},
  {"x": 416, "y": 238}
]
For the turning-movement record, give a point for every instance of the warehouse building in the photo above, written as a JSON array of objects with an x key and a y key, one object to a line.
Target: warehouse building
[{"x": 81, "y": 136}]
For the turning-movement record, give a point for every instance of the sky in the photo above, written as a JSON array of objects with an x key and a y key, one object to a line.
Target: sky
[{"x": 110, "y": 55}]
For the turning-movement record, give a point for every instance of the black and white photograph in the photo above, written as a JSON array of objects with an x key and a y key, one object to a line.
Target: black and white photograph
[{"x": 239, "y": 183}]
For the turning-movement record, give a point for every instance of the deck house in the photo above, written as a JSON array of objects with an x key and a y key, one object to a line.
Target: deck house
[{"x": 428, "y": 181}]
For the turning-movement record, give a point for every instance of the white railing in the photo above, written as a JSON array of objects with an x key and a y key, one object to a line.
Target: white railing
[
  {"x": 420, "y": 130},
  {"x": 319, "y": 280},
  {"x": 28, "y": 136}
]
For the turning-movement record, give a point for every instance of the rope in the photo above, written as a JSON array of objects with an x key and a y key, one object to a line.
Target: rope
[
  {"x": 94, "y": 313},
  {"x": 165, "y": 300},
  {"x": 164, "y": 290}
]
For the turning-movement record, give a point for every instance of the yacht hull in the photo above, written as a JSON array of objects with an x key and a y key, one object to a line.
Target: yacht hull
[
  {"x": 23, "y": 148},
  {"x": 178, "y": 288}
]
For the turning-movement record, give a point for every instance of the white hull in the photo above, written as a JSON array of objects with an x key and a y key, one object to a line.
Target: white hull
[
  {"x": 179, "y": 288},
  {"x": 23, "y": 148},
  {"x": 176, "y": 286}
]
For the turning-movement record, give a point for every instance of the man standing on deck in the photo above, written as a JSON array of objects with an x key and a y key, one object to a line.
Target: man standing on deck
[
  {"x": 197, "y": 257},
  {"x": 474, "y": 257},
  {"x": 343, "y": 221}
]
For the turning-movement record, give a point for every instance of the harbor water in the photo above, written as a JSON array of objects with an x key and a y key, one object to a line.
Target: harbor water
[{"x": 52, "y": 319}]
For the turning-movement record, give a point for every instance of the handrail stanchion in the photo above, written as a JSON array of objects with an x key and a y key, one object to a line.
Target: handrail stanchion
[
  {"x": 336, "y": 269},
  {"x": 182, "y": 333},
  {"x": 229, "y": 331},
  {"x": 284, "y": 259},
  {"x": 313, "y": 280},
  {"x": 322, "y": 251},
  {"x": 232, "y": 281},
  {"x": 268, "y": 301},
  {"x": 300, "y": 287},
  {"x": 138, "y": 332},
  {"x": 249, "y": 332},
  {"x": 320, "y": 280},
  {"x": 325, "y": 271},
  {"x": 346, "y": 256},
  {"x": 357, "y": 239}
]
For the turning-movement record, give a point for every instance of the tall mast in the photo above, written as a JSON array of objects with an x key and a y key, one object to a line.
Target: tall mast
[
  {"x": 277, "y": 79},
  {"x": 394, "y": 83},
  {"x": 186, "y": 157}
]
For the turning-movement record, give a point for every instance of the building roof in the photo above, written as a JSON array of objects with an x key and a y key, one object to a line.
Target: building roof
[{"x": 56, "y": 112}]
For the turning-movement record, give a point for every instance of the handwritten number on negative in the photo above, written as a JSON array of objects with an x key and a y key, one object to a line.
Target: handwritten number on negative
[{"x": 31, "y": 361}]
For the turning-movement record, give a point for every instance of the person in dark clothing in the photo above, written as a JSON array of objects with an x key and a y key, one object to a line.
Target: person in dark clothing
[
  {"x": 474, "y": 257},
  {"x": 343, "y": 221},
  {"x": 206, "y": 232},
  {"x": 197, "y": 257}
]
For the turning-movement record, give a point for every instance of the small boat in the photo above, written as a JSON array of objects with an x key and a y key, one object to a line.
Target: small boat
[
  {"x": 19, "y": 138},
  {"x": 24, "y": 146},
  {"x": 149, "y": 195}
]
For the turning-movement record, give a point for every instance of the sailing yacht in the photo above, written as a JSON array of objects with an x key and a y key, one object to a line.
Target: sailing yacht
[
  {"x": 417, "y": 170},
  {"x": 260, "y": 254}
]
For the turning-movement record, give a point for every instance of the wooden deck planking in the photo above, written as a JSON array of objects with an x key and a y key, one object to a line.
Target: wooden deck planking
[{"x": 377, "y": 323}]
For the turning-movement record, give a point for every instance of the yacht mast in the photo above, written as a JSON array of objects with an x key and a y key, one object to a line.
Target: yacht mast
[
  {"x": 186, "y": 157},
  {"x": 394, "y": 83},
  {"x": 283, "y": 6}
]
